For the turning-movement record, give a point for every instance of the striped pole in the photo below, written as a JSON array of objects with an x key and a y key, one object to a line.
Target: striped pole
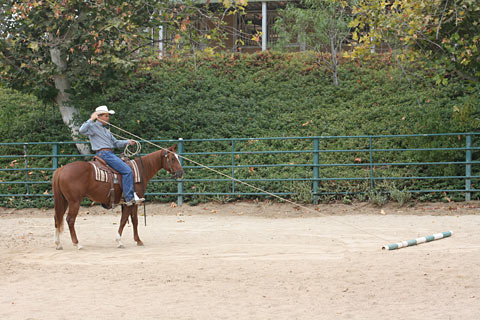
[{"x": 414, "y": 242}]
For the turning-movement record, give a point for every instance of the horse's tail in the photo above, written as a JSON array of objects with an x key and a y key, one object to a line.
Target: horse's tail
[{"x": 60, "y": 203}]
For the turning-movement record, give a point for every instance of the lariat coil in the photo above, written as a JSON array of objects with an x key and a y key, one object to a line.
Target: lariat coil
[{"x": 130, "y": 154}]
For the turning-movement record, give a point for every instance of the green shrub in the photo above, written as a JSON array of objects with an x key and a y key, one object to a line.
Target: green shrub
[{"x": 269, "y": 95}]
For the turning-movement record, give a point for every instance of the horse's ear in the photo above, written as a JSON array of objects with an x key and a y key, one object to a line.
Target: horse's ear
[{"x": 173, "y": 148}]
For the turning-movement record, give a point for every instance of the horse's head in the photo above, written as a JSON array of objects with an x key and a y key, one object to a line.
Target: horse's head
[{"x": 173, "y": 163}]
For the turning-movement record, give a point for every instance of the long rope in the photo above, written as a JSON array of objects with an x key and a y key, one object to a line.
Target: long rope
[{"x": 245, "y": 183}]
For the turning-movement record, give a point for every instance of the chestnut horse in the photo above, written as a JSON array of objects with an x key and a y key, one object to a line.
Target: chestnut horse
[{"x": 76, "y": 180}]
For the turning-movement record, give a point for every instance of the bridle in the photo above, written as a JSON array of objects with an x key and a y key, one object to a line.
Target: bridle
[{"x": 169, "y": 164}]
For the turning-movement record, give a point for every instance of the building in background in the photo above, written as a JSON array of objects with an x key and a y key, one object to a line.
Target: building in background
[{"x": 249, "y": 31}]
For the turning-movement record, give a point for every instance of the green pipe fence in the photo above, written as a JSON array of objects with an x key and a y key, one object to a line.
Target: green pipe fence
[{"x": 302, "y": 168}]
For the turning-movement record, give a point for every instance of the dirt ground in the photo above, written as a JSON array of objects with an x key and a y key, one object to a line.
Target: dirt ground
[{"x": 244, "y": 260}]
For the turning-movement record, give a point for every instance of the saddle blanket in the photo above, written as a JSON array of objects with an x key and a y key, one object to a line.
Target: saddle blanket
[{"x": 103, "y": 175}]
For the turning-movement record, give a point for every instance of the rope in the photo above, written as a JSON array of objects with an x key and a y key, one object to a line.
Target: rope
[
  {"x": 130, "y": 154},
  {"x": 247, "y": 184},
  {"x": 126, "y": 151}
]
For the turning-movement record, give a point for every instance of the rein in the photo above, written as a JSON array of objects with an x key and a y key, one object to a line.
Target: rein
[
  {"x": 143, "y": 189},
  {"x": 169, "y": 164}
]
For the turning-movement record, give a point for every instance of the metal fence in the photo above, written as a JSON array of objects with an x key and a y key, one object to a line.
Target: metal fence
[{"x": 324, "y": 165}]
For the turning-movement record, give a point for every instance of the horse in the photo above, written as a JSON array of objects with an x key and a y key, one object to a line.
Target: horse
[{"x": 76, "y": 180}]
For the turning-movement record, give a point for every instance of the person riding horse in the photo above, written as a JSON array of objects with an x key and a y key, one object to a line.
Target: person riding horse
[{"x": 103, "y": 143}]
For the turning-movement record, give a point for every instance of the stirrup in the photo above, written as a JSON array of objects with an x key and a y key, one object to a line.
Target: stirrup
[
  {"x": 137, "y": 199},
  {"x": 130, "y": 203}
]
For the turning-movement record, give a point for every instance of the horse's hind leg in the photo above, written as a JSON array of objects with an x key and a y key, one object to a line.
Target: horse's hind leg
[
  {"x": 58, "y": 244},
  {"x": 60, "y": 208},
  {"x": 71, "y": 217},
  {"x": 134, "y": 216}
]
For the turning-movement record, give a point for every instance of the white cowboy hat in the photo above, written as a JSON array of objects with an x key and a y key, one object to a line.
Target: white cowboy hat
[{"x": 104, "y": 109}]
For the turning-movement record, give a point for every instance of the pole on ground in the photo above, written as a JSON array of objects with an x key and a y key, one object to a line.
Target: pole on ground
[{"x": 416, "y": 241}]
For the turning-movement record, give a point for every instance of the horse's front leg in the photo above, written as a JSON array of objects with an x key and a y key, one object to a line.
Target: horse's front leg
[
  {"x": 123, "y": 221},
  {"x": 134, "y": 216}
]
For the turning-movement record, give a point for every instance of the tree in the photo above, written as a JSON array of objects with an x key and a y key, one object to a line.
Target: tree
[
  {"x": 64, "y": 48},
  {"x": 321, "y": 25},
  {"x": 52, "y": 48},
  {"x": 445, "y": 31}
]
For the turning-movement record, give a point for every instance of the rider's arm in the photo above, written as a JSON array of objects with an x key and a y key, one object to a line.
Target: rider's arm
[
  {"x": 88, "y": 124},
  {"x": 120, "y": 143}
]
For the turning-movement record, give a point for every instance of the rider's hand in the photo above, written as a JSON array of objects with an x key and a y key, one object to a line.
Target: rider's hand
[
  {"x": 94, "y": 116},
  {"x": 132, "y": 142}
]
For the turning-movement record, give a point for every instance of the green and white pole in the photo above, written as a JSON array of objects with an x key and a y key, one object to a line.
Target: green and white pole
[{"x": 414, "y": 242}]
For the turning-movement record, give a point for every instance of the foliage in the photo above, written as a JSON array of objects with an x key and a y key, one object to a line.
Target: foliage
[
  {"x": 377, "y": 198},
  {"x": 94, "y": 38},
  {"x": 400, "y": 196},
  {"x": 55, "y": 49},
  {"x": 268, "y": 95},
  {"x": 321, "y": 25},
  {"x": 24, "y": 119},
  {"x": 432, "y": 30}
]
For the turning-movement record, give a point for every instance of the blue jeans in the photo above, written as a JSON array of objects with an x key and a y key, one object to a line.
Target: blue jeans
[{"x": 127, "y": 176}]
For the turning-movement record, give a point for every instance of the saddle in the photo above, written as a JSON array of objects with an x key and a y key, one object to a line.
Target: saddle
[{"x": 104, "y": 173}]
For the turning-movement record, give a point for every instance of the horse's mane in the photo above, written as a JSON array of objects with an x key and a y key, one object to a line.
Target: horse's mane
[{"x": 152, "y": 163}]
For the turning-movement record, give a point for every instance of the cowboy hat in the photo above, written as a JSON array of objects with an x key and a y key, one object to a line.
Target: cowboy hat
[{"x": 104, "y": 109}]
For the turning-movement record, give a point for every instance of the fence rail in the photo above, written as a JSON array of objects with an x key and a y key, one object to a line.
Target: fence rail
[{"x": 367, "y": 159}]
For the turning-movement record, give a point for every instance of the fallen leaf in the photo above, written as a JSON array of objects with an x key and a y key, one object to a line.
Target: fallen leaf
[{"x": 447, "y": 198}]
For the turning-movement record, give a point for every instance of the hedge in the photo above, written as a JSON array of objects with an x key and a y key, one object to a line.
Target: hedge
[{"x": 268, "y": 95}]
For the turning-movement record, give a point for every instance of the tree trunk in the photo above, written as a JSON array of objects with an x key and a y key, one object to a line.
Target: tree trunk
[
  {"x": 62, "y": 84},
  {"x": 334, "y": 61}
]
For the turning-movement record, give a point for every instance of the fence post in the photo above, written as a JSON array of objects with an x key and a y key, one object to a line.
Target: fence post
[
  {"x": 371, "y": 163},
  {"x": 26, "y": 168},
  {"x": 55, "y": 156},
  {"x": 468, "y": 168},
  {"x": 316, "y": 147},
  {"x": 180, "y": 184},
  {"x": 233, "y": 166}
]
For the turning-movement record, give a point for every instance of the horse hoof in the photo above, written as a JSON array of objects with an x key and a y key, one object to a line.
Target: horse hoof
[
  {"x": 59, "y": 248},
  {"x": 121, "y": 246},
  {"x": 78, "y": 246},
  {"x": 140, "y": 243}
]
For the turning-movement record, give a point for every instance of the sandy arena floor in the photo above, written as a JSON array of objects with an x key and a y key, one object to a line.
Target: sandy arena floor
[{"x": 244, "y": 261}]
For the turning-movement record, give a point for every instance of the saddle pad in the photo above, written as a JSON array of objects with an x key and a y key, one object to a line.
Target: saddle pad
[
  {"x": 100, "y": 174},
  {"x": 103, "y": 176},
  {"x": 136, "y": 172}
]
